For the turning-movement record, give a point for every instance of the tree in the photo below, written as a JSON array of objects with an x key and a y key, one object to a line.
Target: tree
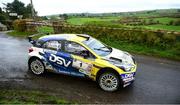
[
  {"x": 176, "y": 22},
  {"x": 1, "y": 10},
  {"x": 44, "y": 18},
  {"x": 178, "y": 10},
  {"x": 171, "y": 22},
  {"x": 16, "y": 7},
  {"x": 28, "y": 11},
  {"x": 2, "y": 16},
  {"x": 65, "y": 16},
  {"x": 53, "y": 18},
  {"x": 19, "y": 7}
]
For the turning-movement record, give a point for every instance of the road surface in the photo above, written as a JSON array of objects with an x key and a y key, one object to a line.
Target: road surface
[{"x": 157, "y": 80}]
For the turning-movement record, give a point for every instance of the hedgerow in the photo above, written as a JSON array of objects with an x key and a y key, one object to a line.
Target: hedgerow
[{"x": 150, "y": 38}]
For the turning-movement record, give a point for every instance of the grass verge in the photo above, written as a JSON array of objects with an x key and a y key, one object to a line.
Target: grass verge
[
  {"x": 43, "y": 29},
  {"x": 144, "y": 50},
  {"x": 19, "y": 34},
  {"x": 28, "y": 97}
]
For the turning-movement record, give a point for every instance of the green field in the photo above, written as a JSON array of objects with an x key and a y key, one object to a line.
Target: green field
[
  {"x": 113, "y": 22},
  {"x": 165, "y": 20},
  {"x": 162, "y": 27},
  {"x": 81, "y": 21}
]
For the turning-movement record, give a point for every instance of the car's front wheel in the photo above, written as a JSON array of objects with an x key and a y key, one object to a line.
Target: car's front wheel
[
  {"x": 109, "y": 81},
  {"x": 37, "y": 66}
]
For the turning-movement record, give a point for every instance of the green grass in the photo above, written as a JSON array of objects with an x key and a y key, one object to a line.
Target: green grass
[
  {"x": 20, "y": 34},
  {"x": 28, "y": 97},
  {"x": 81, "y": 21},
  {"x": 112, "y": 22},
  {"x": 43, "y": 29},
  {"x": 165, "y": 20},
  {"x": 162, "y": 27},
  {"x": 162, "y": 20}
]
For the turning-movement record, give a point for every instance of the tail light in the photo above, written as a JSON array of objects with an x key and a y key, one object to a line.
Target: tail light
[{"x": 30, "y": 50}]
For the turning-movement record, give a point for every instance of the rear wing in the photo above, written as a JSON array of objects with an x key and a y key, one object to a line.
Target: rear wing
[{"x": 32, "y": 41}]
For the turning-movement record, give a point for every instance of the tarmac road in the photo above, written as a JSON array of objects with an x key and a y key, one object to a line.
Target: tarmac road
[{"x": 157, "y": 80}]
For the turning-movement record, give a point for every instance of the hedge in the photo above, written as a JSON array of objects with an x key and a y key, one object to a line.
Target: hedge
[{"x": 150, "y": 38}]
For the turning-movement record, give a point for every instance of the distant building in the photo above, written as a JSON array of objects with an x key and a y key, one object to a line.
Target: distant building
[{"x": 3, "y": 27}]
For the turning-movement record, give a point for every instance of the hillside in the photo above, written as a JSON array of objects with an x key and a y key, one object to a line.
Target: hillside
[{"x": 158, "y": 12}]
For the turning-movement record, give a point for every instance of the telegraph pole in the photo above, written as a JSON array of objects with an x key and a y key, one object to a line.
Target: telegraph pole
[{"x": 32, "y": 10}]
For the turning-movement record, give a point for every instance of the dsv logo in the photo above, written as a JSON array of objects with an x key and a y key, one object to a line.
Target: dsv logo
[
  {"x": 128, "y": 75},
  {"x": 59, "y": 60}
]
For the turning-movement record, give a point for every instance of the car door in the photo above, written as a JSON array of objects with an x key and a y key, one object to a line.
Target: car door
[
  {"x": 82, "y": 59},
  {"x": 59, "y": 61}
]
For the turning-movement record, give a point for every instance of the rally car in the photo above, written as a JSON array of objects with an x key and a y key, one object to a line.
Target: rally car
[{"x": 83, "y": 56}]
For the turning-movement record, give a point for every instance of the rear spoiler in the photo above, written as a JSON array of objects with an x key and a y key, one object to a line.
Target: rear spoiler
[{"x": 34, "y": 41}]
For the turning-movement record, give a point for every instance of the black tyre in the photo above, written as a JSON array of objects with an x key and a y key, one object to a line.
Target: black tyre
[
  {"x": 109, "y": 81},
  {"x": 36, "y": 66}
]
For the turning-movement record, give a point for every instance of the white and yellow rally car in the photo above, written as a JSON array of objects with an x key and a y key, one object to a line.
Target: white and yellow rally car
[{"x": 83, "y": 56}]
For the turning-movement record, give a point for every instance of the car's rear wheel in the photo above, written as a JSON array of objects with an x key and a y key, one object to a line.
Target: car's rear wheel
[
  {"x": 109, "y": 81},
  {"x": 37, "y": 66}
]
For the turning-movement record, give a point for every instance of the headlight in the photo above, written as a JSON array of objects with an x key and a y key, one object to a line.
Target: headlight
[
  {"x": 125, "y": 67},
  {"x": 134, "y": 61}
]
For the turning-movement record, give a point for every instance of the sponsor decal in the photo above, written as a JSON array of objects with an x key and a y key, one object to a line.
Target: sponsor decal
[
  {"x": 59, "y": 60},
  {"x": 83, "y": 67},
  {"x": 127, "y": 77},
  {"x": 50, "y": 51},
  {"x": 63, "y": 72}
]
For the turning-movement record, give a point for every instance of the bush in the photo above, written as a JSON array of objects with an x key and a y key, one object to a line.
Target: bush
[
  {"x": 175, "y": 23},
  {"x": 177, "y": 48}
]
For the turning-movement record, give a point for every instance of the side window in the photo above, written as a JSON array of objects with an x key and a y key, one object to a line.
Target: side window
[
  {"x": 74, "y": 48},
  {"x": 52, "y": 45}
]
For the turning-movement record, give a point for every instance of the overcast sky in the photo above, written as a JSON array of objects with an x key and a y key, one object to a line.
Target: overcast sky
[{"x": 49, "y": 7}]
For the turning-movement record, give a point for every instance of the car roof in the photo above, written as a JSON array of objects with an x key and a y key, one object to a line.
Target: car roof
[{"x": 70, "y": 37}]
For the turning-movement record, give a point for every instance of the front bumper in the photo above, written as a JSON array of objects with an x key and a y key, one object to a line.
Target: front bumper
[{"x": 127, "y": 78}]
